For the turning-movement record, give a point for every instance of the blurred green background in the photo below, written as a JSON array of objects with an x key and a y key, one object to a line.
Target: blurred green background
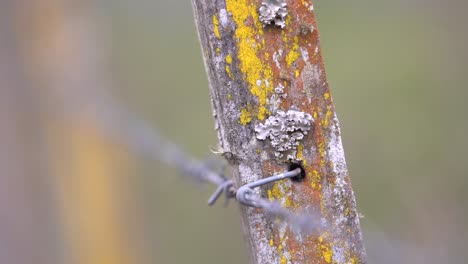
[{"x": 397, "y": 72}]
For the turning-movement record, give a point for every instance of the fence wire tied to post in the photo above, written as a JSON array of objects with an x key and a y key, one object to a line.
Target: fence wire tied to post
[
  {"x": 175, "y": 157},
  {"x": 146, "y": 140}
]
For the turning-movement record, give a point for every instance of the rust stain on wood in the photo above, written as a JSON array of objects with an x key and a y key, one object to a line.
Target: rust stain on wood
[{"x": 262, "y": 59}]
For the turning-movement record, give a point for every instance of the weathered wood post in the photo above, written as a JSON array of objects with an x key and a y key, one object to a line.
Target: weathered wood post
[{"x": 273, "y": 108}]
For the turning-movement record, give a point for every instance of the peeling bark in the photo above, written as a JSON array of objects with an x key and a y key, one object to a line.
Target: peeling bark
[{"x": 254, "y": 71}]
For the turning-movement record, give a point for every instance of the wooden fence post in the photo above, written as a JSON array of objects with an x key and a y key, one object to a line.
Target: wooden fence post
[{"x": 265, "y": 71}]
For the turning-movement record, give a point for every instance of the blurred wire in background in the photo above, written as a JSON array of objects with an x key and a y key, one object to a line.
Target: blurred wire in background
[{"x": 69, "y": 194}]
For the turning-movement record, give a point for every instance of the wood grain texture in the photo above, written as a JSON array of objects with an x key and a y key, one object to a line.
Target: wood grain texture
[{"x": 245, "y": 62}]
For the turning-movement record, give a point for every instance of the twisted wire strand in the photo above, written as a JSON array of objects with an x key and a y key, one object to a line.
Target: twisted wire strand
[
  {"x": 303, "y": 223},
  {"x": 146, "y": 140},
  {"x": 163, "y": 150}
]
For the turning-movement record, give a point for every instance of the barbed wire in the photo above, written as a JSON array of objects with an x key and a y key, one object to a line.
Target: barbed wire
[
  {"x": 171, "y": 154},
  {"x": 146, "y": 140}
]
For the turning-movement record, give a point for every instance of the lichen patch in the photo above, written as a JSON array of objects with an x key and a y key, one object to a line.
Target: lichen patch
[
  {"x": 285, "y": 131},
  {"x": 250, "y": 44},
  {"x": 273, "y": 12}
]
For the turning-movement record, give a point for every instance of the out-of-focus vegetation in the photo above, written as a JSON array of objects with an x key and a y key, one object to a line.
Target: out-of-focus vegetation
[{"x": 398, "y": 74}]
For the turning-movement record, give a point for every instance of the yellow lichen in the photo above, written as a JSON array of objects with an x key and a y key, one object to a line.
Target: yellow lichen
[
  {"x": 229, "y": 96},
  {"x": 276, "y": 191},
  {"x": 293, "y": 54},
  {"x": 228, "y": 68},
  {"x": 316, "y": 180},
  {"x": 216, "y": 27},
  {"x": 322, "y": 203},
  {"x": 321, "y": 149},
  {"x": 245, "y": 117},
  {"x": 326, "y": 120},
  {"x": 249, "y": 46},
  {"x": 300, "y": 154},
  {"x": 326, "y": 96},
  {"x": 285, "y": 37},
  {"x": 284, "y": 260},
  {"x": 270, "y": 196},
  {"x": 327, "y": 253},
  {"x": 228, "y": 71},
  {"x": 287, "y": 22},
  {"x": 229, "y": 59},
  {"x": 326, "y": 249}
]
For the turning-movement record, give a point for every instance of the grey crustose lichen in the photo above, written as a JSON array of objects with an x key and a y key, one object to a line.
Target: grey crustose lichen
[
  {"x": 273, "y": 12},
  {"x": 285, "y": 130}
]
